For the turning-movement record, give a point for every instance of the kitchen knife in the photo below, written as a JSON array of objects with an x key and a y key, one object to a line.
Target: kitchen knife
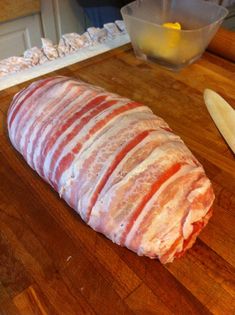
[{"x": 223, "y": 115}]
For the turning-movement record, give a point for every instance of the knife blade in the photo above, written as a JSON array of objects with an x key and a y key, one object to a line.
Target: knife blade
[{"x": 222, "y": 114}]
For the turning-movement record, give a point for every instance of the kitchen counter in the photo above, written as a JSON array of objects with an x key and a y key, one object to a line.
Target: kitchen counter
[{"x": 52, "y": 263}]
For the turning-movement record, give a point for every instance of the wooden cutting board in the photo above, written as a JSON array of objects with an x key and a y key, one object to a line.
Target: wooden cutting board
[{"x": 52, "y": 263}]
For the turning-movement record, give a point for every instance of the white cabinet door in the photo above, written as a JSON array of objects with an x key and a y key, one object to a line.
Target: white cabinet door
[
  {"x": 69, "y": 17},
  {"x": 56, "y": 18},
  {"x": 18, "y": 35}
]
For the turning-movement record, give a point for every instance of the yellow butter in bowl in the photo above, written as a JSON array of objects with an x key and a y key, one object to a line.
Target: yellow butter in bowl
[
  {"x": 163, "y": 44},
  {"x": 175, "y": 25},
  {"x": 170, "y": 41}
]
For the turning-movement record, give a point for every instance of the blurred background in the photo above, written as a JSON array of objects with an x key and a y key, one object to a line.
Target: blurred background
[{"x": 24, "y": 22}]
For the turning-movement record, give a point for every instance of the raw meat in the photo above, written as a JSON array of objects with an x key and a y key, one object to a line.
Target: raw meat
[
  {"x": 13, "y": 64},
  {"x": 49, "y": 49},
  {"x": 63, "y": 48},
  {"x": 121, "y": 25},
  {"x": 98, "y": 35},
  {"x": 74, "y": 41},
  {"x": 69, "y": 43},
  {"x": 116, "y": 163},
  {"x": 35, "y": 55},
  {"x": 112, "y": 30}
]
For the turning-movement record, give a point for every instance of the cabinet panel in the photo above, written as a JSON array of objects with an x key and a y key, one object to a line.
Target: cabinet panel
[
  {"x": 16, "y": 41},
  {"x": 18, "y": 35},
  {"x": 69, "y": 17}
]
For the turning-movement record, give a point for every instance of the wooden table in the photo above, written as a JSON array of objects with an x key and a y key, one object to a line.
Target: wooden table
[{"x": 52, "y": 263}]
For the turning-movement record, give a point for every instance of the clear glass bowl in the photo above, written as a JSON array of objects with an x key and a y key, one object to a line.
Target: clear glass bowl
[{"x": 172, "y": 48}]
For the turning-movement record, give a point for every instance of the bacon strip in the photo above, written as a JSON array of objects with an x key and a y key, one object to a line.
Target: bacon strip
[
  {"x": 117, "y": 164},
  {"x": 112, "y": 167},
  {"x": 67, "y": 160},
  {"x": 52, "y": 110},
  {"x": 30, "y": 93},
  {"x": 162, "y": 178},
  {"x": 30, "y": 105},
  {"x": 68, "y": 121}
]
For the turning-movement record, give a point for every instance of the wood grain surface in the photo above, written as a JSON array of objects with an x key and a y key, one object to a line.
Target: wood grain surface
[
  {"x": 52, "y": 263},
  {"x": 223, "y": 44},
  {"x": 12, "y": 9}
]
